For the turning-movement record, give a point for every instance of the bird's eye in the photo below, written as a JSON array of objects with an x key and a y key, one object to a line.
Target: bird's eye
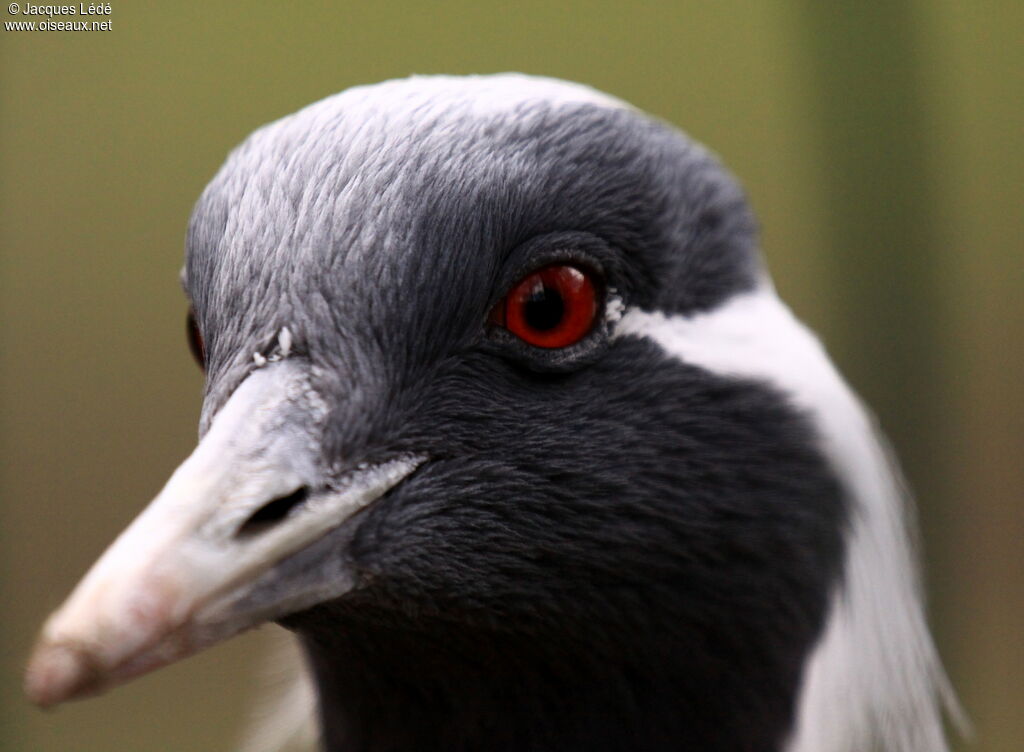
[
  {"x": 551, "y": 308},
  {"x": 195, "y": 339}
]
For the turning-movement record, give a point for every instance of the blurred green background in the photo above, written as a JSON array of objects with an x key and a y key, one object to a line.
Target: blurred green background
[{"x": 881, "y": 146}]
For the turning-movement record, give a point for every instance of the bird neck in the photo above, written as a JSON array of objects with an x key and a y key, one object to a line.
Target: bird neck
[{"x": 392, "y": 684}]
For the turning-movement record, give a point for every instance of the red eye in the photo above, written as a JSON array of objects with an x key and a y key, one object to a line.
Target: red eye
[
  {"x": 552, "y": 307},
  {"x": 195, "y": 339}
]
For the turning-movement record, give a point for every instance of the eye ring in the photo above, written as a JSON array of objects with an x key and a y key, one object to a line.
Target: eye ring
[
  {"x": 196, "y": 344},
  {"x": 551, "y": 308}
]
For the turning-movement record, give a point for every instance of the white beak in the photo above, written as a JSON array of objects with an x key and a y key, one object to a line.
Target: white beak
[{"x": 194, "y": 567}]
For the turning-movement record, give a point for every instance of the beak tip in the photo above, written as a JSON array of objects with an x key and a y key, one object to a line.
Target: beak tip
[{"x": 57, "y": 672}]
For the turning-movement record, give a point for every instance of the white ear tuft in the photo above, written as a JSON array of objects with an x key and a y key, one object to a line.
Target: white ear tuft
[{"x": 874, "y": 680}]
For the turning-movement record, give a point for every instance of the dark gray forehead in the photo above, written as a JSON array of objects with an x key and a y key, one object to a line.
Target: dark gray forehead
[{"x": 373, "y": 210}]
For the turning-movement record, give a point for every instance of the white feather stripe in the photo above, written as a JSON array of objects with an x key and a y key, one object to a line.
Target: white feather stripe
[{"x": 874, "y": 680}]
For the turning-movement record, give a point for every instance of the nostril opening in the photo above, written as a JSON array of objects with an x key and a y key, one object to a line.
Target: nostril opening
[{"x": 272, "y": 512}]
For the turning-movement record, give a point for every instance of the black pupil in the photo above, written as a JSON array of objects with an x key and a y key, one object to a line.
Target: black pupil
[{"x": 544, "y": 308}]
